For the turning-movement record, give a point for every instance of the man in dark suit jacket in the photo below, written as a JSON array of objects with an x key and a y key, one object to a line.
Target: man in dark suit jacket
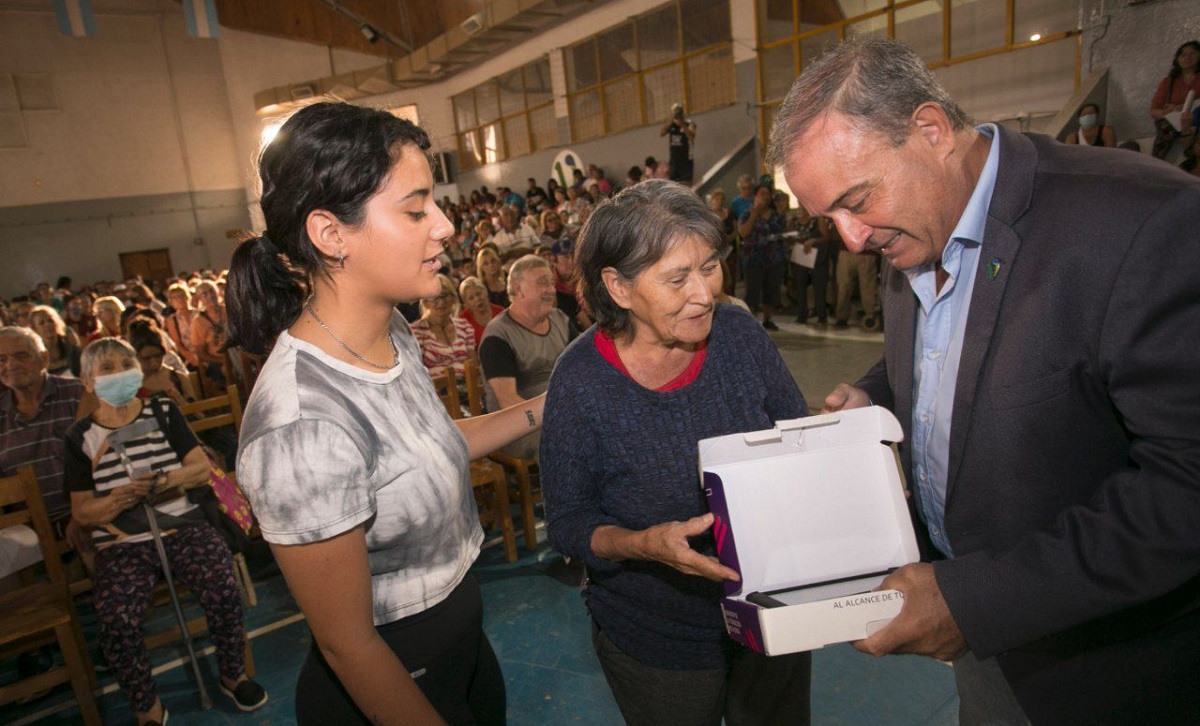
[{"x": 1055, "y": 450}]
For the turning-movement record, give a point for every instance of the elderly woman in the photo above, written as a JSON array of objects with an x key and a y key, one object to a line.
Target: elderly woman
[
  {"x": 62, "y": 344},
  {"x": 446, "y": 340},
  {"x": 208, "y": 330},
  {"x": 663, "y": 368},
  {"x": 106, "y": 498},
  {"x": 178, "y": 324},
  {"x": 490, "y": 271},
  {"x": 478, "y": 310},
  {"x": 107, "y": 310}
]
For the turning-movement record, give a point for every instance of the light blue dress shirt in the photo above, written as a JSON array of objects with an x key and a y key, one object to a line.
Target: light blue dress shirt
[{"x": 941, "y": 323}]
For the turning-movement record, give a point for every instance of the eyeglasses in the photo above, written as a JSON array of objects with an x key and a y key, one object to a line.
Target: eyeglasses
[{"x": 444, "y": 298}]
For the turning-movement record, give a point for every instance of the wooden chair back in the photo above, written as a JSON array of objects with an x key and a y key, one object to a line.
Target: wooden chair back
[
  {"x": 211, "y": 413},
  {"x": 474, "y": 382},
  {"x": 251, "y": 367},
  {"x": 43, "y": 611},
  {"x": 22, "y": 489},
  {"x": 209, "y": 387},
  {"x": 447, "y": 390}
]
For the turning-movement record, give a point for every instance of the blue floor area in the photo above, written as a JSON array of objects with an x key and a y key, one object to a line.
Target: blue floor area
[{"x": 538, "y": 626}]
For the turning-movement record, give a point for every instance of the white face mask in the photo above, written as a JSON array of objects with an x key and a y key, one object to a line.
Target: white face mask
[{"x": 1087, "y": 121}]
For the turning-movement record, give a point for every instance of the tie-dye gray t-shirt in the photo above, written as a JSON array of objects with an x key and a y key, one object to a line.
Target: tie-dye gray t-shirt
[{"x": 326, "y": 446}]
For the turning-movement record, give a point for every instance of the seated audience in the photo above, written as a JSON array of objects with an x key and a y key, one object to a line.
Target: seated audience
[
  {"x": 566, "y": 290},
  {"x": 490, "y": 272},
  {"x": 1091, "y": 132},
  {"x": 62, "y": 344},
  {"x": 35, "y": 413},
  {"x": 552, "y": 228},
  {"x": 108, "y": 497},
  {"x": 79, "y": 316},
  {"x": 178, "y": 324},
  {"x": 514, "y": 239},
  {"x": 158, "y": 377},
  {"x": 520, "y": 346},
  {"x": 447, "y": 341},
  {"x": 477, "y": 309},
  {"x": 208, "y": 331},
  {"x": 108, "y": 312}
]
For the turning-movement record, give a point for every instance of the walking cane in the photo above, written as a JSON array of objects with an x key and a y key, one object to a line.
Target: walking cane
[{"x": 117, "y": 441}]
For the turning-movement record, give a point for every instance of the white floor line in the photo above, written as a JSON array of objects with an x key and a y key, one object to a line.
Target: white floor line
[{"x": 157, "y": 670}]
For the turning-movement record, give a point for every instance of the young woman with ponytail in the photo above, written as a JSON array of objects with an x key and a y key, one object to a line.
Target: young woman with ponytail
[{"x": 358, "y": 476}]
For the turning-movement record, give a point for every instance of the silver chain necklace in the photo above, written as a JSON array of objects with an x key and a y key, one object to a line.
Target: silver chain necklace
[{"x": 348, "y": 349}]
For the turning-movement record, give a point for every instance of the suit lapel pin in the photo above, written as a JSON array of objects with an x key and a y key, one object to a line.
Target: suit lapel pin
[{"x": 994, "y": 267}]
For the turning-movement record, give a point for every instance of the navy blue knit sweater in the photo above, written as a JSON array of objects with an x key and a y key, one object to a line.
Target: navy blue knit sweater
[{"x": 614, "y": 452}]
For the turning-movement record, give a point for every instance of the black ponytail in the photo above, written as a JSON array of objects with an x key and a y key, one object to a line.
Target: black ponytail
[
  {"x": 263, "y": 295},
  {"x": 327, "y": 156}
]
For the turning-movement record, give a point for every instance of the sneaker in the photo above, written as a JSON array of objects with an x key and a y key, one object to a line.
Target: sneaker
[
  {"x": 770, "y": 325},
  {"x": 841, "y": 325},
  {"x": 247, "y": 695}
]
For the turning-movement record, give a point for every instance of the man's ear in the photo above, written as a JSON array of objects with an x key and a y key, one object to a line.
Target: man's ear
[
  {"x": 618, "y": 287},
  {"x": 934, "y": 126},
  {"x": 324, "y": 229}
]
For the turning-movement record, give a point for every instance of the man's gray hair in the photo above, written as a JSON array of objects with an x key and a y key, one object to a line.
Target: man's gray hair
[
  {"x": 101, "y": 348},
  {"x": 877, "y": 82},
  {"x": 17, "y": 332},
  {"x": 517, "y": 271}
]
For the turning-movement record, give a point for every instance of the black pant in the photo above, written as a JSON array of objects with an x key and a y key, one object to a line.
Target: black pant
[{"x": 444, "y": 648}]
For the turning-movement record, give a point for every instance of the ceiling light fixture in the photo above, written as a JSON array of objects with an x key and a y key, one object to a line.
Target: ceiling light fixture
[{"x": 371, "y": 34}]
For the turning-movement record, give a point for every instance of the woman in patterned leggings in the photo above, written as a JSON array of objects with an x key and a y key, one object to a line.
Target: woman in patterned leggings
[{"x": 167, "y": 459}]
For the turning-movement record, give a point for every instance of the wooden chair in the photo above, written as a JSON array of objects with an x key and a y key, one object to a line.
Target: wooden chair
[
  {"x": 488, "y": 480},
  {"x": 31, "y": 614},
  {"x": 523, "y": 470},
  {"x": 216, "y": 411},
  {"x": 251, "y": 367},
  {"x": 209, "y": 387}
]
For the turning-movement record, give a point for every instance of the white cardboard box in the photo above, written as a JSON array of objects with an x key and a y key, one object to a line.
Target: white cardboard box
[{"x": 812, "y": 516}]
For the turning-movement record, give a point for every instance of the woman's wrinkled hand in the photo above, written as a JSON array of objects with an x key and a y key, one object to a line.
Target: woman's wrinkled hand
[{"x": 668, "y": 543}]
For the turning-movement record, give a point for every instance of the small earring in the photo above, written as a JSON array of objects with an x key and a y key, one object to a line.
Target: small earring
[{"x": 341, "y": 259}]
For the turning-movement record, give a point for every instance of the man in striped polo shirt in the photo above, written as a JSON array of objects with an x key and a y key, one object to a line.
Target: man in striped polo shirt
[{"x": 35, "y": 413}]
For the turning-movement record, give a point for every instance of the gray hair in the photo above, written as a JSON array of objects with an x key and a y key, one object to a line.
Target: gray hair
[
  {"x": 877, "y": 82},
  {"x": 17, "y": 332},
  {"x": 101, "y": 348},
  {"x": 517, "y": 271},
  {"x": 632, "y": 231}
]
